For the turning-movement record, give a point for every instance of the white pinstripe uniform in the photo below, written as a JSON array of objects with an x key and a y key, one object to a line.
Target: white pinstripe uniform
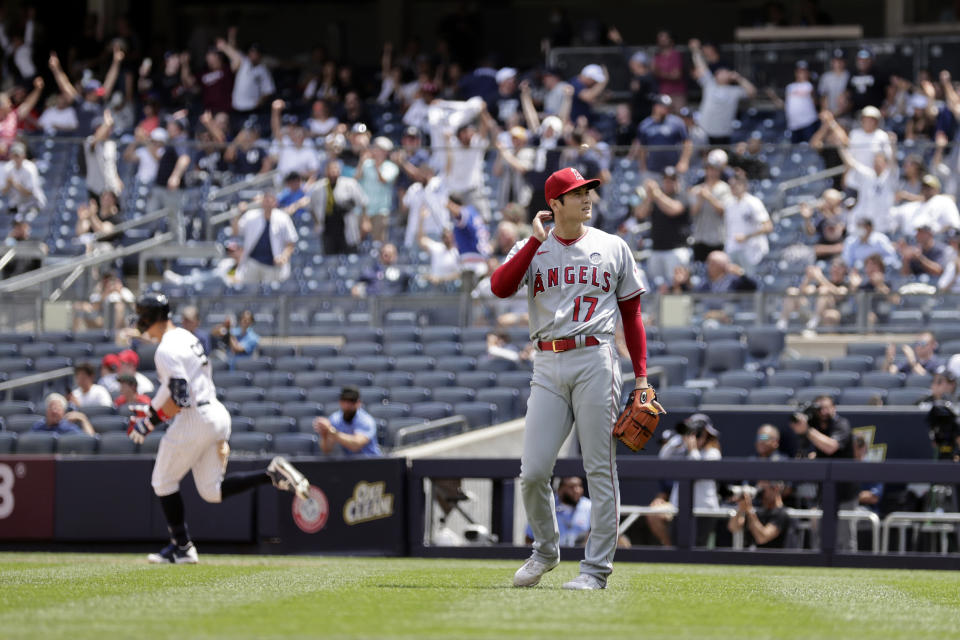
[
  {"x": 573, "y": 289},
  {"x": 196, "y": 438}
]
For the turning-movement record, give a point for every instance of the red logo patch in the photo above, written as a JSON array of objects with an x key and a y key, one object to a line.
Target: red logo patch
[{"x": 311, "y": 515}]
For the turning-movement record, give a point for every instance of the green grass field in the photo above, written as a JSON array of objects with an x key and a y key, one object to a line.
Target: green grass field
[{"x": 120, "y": 596}]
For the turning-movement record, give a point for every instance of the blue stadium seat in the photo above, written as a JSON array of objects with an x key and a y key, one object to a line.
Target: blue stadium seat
[
  {"x": 813, "y": 365},
  {"x": 765, "y": 343},
  {"x": 475, "y": 334},
  {"x": 356, "y": 349},
  {"x": 296, "y": 444},
  {"x": 478, "y": 414},
  {"x": 841, "y": 379},
  {"x": 724, "y": 395},
  {"x": 15, "y": 407},
  {"x": 479, "y": 348},
  {"x": 518, "y": 379},
  {"x": 336, "y": 363},
  {"x": 78, "y": 444},
  {"x": 116, "y": 443},
  {"x": 506, "y": 400},
  {"x": 312, "y": 379},
  {"x": 37, "y": 350},
  {"x": 808, "y": 394},
  {"x": 402, "y": 334},
  {"x": 410, "y": 395},
  {"x": 742, "y": 379},
  {"x": 232, "y": 378},
  {"x": 17, "y": 337},
  {"x": 919, "y": 380},
  {"x": 414, "y": 364},
  {"x": 779, "y": 396},
  {"x": 679, "y": 397},
  {"x": 374, "y": 364},
  {"x": 295, "y": 364},
  {"x": 21, "y": 422},
  {"x": 15, "y": 364},
  {"x": 722, "y": 332},
  {"x": 274, "y": 424},
  {"x": 494, "y": 364},
  {"x": 456, "y": 363},
  {"x": 389, "y": 410},
  {"x": 243, "y": 394},
  {"x": 440, "y": 334},
  {"x": 882, "y": 379},
  {"x": 453, "y": 395},
  {"x": 355, "y": 378},
  {"x": 724, "y": 355},
  {"x": 431, "y": 410},
  {"x": 109, "y": 423},
  {"x": 36, "y": 442},
  {"x": 51, "y": 363},
  {"x": 259, "y": 409},
  {"x": 675, "y": 368},
  {"x": 77, "y": 351},
  {"x": 251, "y": 443},
  {"x": 906, "y": 396},
  {"x": 441, "y": 349},
  {"x": 241, "y": 423},
  {"x": 676, "y": 334},
  {"x": 858, "y": 363},
  {"x": 792, "y": 378},
  {"x": 8, "y": 442},
  {"x": 393, "y": 379},
  {"x": 284, "y": 394},
  {"x": 253, "y": 364},
  {"x": 319, "y": 351},
  {"x": 266, "y": 379},
  {"x": 398, "y": 349},
  {"x": 311, "y": 408},
  {"x": 476, "y": 379},
  {"x": 394, "y": 425},
  {"x": 325, "y": 395},
  {"x": 876, "y": 350},
  {"x": 863, "y": 395},
  {"x": 277, "y": 351},
  {"x": 373, "y": 394},
  {"x": 692, "y": 350}
]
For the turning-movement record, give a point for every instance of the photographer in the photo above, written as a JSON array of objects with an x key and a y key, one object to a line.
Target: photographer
[
  {"x": 943, "y": 388},
  {"x": 767, "y": 526},
  {"x": 701, "y": 441},
  {"x": 944, "y": 425},
  {"x": 822, "y": 433}
]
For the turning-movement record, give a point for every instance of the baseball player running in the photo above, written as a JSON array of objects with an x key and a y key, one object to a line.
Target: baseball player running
[
  {"x": 196, "y": 439},
  {"x": 576, "y": 278}
]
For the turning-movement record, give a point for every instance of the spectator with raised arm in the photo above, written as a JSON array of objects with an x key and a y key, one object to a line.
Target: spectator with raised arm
[
  {"x": 246, "y": 155},
  {"x": 827, "y": 225},
  {"x": 876, "y": 186},
  {"x": 171, "y": 169},
  {"x": 588, "y": 88},
  {"x": 145, "y": 151},
  {"x": 292, "y": 151},
  {"x": 10, "y": 115},
  {"x": 722, "y": 92},
  {"x": 252, "y": 82},
  {"x": 18, "y": 46},
  {"x": 269, "y": 240},
  {"x": 464, "y": 161},
  {"x": 377, "y": 175},
  {"x": 89, "y": 106}
]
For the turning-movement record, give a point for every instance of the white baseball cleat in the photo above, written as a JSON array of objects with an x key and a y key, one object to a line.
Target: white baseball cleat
[
  {"x": 174, "y": 554},
  {"x": 530, "y": 573},
  {"x": 585, "y": 582},
  {"x": 286, "y": 478}
]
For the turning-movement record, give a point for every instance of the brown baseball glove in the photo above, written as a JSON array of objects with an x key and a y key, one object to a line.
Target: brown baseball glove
[{"x": 639, "y": 419}]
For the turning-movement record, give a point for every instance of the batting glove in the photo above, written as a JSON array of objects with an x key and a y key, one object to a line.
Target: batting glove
[{"x": 144, "y": 420}]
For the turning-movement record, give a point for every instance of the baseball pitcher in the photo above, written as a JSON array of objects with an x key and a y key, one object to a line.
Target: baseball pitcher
[{"x": 577, "y": 278}]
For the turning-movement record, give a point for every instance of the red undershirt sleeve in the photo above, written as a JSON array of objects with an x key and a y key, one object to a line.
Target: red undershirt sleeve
[
  {"x": 634, "y": 334},
  {"x": 507, "y": 278}
]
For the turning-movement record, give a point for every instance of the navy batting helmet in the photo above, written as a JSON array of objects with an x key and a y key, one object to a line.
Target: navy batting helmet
[{"x": 152, "y": 308}]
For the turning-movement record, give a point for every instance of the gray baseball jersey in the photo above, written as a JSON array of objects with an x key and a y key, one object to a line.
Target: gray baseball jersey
[
  {"x": 194, "y": 440},
  {"x": 573, "y": 287},
  {"x": 572, "y": 290}
]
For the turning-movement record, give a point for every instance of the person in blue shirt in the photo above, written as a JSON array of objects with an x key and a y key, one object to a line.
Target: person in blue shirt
[
  {"x": 469, "y": 233},
  {"x": 573, "y": 513},
  {"x": 61, "y": 422},
  {"x": 240, "y": 341},
  {"x": 662, "y": 129},
  {"x": 352, "y": 430},
  {"x": 293, "y": 199}
]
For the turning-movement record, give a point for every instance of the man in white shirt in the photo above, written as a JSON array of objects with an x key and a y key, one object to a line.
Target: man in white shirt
[
  {"x": 876, "y": 186},
  {"x": 292, "y": 151},
  {"x": 937, "y": 211},
  {"x": 59, "y": 117},
  {"x": 747, "y": 225},
  {"x": 20, "y": 182},
  {"x": 869, "y": 139},
  {"x": 252, "y": 82},
  {"x": 463, "y": 173},
  {"x": 88, "y": 393},
  {"x": 431, "y": 198},
  {"x": 721, "y": 97},
  {"x": 269, "y": 238}
]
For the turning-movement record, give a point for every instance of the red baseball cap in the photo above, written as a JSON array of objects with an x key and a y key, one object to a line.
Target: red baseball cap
[
  {"x": 129, "y": 356},
  {"x": 566, "y": 180},
  {"x": 111, "y": 361}
]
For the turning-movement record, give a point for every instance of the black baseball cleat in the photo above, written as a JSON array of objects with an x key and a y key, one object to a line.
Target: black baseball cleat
[
  {"x": 285, "y": 477},
  {"x": 175, "y": 554}
]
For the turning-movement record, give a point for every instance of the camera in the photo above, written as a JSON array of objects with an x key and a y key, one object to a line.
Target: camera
[
  {"x": 737, "y": 491},
  {"x": 942, "y": 419},
  {"x": 810, "y": 411}
]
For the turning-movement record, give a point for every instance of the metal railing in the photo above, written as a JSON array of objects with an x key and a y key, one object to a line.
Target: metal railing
[{"x": 10, "y": 385}]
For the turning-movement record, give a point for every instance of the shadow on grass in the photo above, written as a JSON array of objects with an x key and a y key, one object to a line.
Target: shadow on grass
[{"x": 434, "y": 587}]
